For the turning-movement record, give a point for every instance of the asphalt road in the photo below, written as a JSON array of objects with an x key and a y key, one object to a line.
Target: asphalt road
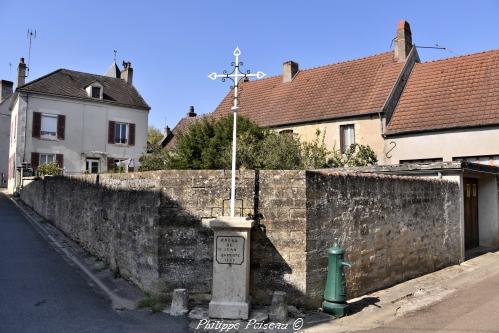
[
  {"x": 41, "y": 292},
  {"x": 474, "y": 310}
]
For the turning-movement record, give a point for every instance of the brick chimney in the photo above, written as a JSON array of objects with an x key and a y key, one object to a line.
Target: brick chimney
[
  {"x": 21, "y": 73},
  {"x": 127, "y": 72},
  {"x": 168, "y": 130},
  {"x": 403, "y": 41},
  {"x": 191, "y": 112},
  {"x": 289, "y": 70},
  {"x": 5, "y": 89}
]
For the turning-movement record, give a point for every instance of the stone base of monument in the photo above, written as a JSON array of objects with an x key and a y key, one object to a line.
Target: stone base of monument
[
  {"x": 229, "y": 310},
  {"x": 231, "y": 267}
]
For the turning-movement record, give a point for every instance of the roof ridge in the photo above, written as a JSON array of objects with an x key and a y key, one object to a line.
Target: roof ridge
[
  {"x": 460, "y": 56},
  {"x": 40, "y": 78},
  {"x": 347, "y": 61},
  {"x": 86, "y": 73},
  {"x": 326, "y": 65}
]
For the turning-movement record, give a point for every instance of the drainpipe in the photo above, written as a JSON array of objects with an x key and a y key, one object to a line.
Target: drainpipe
[{"x": 381, "y": 127}]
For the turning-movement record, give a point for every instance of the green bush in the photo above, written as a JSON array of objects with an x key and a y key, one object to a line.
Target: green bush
[{"x": 49, "y": 169}]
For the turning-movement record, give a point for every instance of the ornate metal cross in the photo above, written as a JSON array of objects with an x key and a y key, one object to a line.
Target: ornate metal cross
[{"x": 235, "y": 76}]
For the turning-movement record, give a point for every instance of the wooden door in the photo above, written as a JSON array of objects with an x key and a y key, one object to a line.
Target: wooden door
[{"x": 470, "y": 213}]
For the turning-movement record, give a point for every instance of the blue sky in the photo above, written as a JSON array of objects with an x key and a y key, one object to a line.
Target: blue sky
[{"x": 174, "y": 45}]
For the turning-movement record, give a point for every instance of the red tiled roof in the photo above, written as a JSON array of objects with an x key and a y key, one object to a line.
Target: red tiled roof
[
  {"x": 180, "y": 128},
  {"x": 344, "y": 89},
  {"x": 450, "y": 93}
]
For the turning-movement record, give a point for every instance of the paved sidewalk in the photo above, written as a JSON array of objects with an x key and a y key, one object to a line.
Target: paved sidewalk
[
  {"x": 472, "y": 309},
  {"x": 468, "y": 293}
]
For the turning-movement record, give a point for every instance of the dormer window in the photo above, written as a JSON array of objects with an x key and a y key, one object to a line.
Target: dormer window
[{"x": 94, "y": 90}]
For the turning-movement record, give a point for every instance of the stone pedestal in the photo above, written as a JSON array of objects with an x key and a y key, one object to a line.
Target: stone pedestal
[{"x": 231, "y": 267}]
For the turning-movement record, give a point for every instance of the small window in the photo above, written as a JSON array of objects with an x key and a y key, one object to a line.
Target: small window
[
  {"x": 121, "y": 133},
  {"x": 47, "y": 158},
  {"x": 96, "y": 92},
  {"x": 48, "y": 126},
  {"x": 347, "y": 137},
  {"x": 92, "y": 165}
]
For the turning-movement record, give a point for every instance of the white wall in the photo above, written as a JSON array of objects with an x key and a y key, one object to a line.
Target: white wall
[
  {"x": 86, "y": 131},
  {"x": 488, "y": 215},
  {"x": 4, "y": 140},
  {"x": 445, "y": 145},
  {"x": 17, "y": 137}
]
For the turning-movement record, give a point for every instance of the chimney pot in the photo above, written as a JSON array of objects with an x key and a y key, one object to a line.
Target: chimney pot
[
  {"x": 191, "y": 112},
  {"x": 21, "y": 73},
  {"x": 403, "y": 41},
  {"x": 127, "y": 72},
  {"x": 289, "y": 70},
  {"x": 5, "y": 89},
  {"x": 167, "y": 130}
]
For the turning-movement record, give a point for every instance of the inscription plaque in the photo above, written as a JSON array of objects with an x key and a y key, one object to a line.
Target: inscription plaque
[{"x": 230, "y": 250}]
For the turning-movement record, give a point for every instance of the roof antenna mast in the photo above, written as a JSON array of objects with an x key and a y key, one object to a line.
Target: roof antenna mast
[
  {"x": 30, "y": 35},
  {"x": 115, "y": 55}
]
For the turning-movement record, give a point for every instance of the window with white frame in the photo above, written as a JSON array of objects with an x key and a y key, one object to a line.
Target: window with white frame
[
  {"x": 47, "y": 158},
  {"x": 347, "y": 137},
  {"x": 121, "y": 133},
  {"x": 48, "y": 126},
  {"x": 94, "y": 90},
  {"x": 92, "y": 165}
]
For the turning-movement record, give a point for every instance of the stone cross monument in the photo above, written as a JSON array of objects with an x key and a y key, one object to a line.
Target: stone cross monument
[{"x": 231, "y": 251}]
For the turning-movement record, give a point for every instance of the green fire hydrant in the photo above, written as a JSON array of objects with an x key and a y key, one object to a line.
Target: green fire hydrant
[{"x": 335, "y": 293}]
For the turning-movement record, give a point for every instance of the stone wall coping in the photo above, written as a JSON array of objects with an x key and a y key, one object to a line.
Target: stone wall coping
[
  {"x": 227, "y": 222},
  {"x": 374, "y": 174}
]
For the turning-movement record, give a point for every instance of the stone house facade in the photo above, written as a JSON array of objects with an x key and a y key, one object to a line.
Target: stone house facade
[{"x": 86, "y": 123}]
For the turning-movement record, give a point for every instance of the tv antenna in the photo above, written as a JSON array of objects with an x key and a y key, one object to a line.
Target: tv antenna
[
  {"x": 115, "y": 55},
  {"x": 436, "y": 46},
  {"x": 10, "y": 70},
  {"x": 30, "y": 35}
]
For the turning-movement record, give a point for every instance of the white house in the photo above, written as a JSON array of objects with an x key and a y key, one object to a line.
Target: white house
[
  {"x": 5, "y": 96},
  {"x": 448, "y": 111},
  {"x": 84, "y": 122}
]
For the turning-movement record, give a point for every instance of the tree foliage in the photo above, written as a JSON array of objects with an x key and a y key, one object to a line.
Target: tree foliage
[
  {"x": 207, "y": 144},
  {"x": 155, "y": 159},
  {"x": 154, "y": 135}
]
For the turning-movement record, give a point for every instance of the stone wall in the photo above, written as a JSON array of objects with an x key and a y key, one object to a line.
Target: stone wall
[
  {"x": 149, "y": 226},
  {"x": 186, "y": 247},
  {"x": 393, "y": 228},
  {"x": 114, "y": 217}
]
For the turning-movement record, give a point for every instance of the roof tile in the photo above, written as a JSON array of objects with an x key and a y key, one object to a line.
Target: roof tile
[
  {"x": 450, "y": 93},
  {"x": 72, "y": 84},
  {"x": 344, "y": 89}
]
